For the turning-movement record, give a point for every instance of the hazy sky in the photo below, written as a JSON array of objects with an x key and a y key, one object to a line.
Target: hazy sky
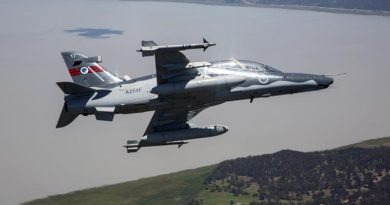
[{"x": 37, "y": 160}]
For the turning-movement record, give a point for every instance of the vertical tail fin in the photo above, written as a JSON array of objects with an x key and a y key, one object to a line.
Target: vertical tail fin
[{"x": 86, "y": 70}]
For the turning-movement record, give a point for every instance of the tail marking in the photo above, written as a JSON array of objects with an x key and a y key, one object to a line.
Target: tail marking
[{"x": 85, "y": 70}]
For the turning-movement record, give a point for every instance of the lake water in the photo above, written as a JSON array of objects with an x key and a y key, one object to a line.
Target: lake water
[{"x": 38, "y": 160}]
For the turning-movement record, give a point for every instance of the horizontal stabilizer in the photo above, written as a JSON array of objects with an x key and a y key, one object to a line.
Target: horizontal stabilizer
[
  {"x": 105, "y": 109},
  {"x": 105, "y": 113},
  {"x": 105, "y": 116},
  {"x": 73, "y": 88}
]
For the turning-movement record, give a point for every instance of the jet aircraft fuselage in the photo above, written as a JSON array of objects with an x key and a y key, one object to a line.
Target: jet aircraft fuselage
[
  {"x": 229, "y": 80},
  {"x": 177, "y": 92}
]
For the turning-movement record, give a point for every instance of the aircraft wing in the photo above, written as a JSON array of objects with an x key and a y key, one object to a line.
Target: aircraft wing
[
  {"x": 164, "y": 120},
  {"x": 170, "y": 62}
]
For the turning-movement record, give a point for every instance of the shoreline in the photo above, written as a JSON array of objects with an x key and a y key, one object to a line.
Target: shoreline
[{"x": 289, "y": 7}]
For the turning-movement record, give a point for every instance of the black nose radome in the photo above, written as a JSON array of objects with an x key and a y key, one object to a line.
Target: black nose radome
[{"x": 323, "y": 80}]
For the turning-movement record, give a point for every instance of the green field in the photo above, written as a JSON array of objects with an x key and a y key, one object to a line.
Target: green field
[{"x": 176, "y": 188}]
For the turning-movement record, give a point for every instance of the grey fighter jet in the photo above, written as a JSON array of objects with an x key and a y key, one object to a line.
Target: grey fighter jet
[{"x": 178, "y": 91}]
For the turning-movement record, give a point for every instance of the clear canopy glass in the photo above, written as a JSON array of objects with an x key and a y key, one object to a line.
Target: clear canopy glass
[{"x": 244, "y": 64}]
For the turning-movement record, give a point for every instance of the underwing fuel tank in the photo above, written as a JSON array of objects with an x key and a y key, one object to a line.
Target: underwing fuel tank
[
  {"x": 175, "y": 137},
  {"x": 193, "y": 132},
  {"x": 197, "y": 84}
]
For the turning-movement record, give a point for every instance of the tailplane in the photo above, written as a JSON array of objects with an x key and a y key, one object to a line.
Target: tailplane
[
  {"x": 74, "y": 88},
  {"x": 87, "y": 71}
]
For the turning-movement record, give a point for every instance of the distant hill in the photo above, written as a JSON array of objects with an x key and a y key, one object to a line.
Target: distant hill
[
  {"x": 354, "y": 174},
  {"x": 380, "y": 142},
  {"x": 367, "y": 5}
]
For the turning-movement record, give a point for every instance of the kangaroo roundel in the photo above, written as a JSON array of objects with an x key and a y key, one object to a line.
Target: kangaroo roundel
[
  {"x": 84, "y": 70},
  {"x": 263, "y": 79}
]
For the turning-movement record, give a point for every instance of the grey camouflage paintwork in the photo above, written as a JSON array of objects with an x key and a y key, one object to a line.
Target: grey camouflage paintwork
[{"x": 178, "y": 92}]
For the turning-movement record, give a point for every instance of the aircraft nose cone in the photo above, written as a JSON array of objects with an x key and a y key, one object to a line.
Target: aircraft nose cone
[
  {"x": 225, "y": 128},
  {"x": 324, "y": 81},
  {"x": 331, "y": 81},
  {"x": 222, "y": 129}
]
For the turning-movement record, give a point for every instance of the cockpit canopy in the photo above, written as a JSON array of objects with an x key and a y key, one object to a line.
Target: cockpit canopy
[{"x": 244, "y": 64}]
